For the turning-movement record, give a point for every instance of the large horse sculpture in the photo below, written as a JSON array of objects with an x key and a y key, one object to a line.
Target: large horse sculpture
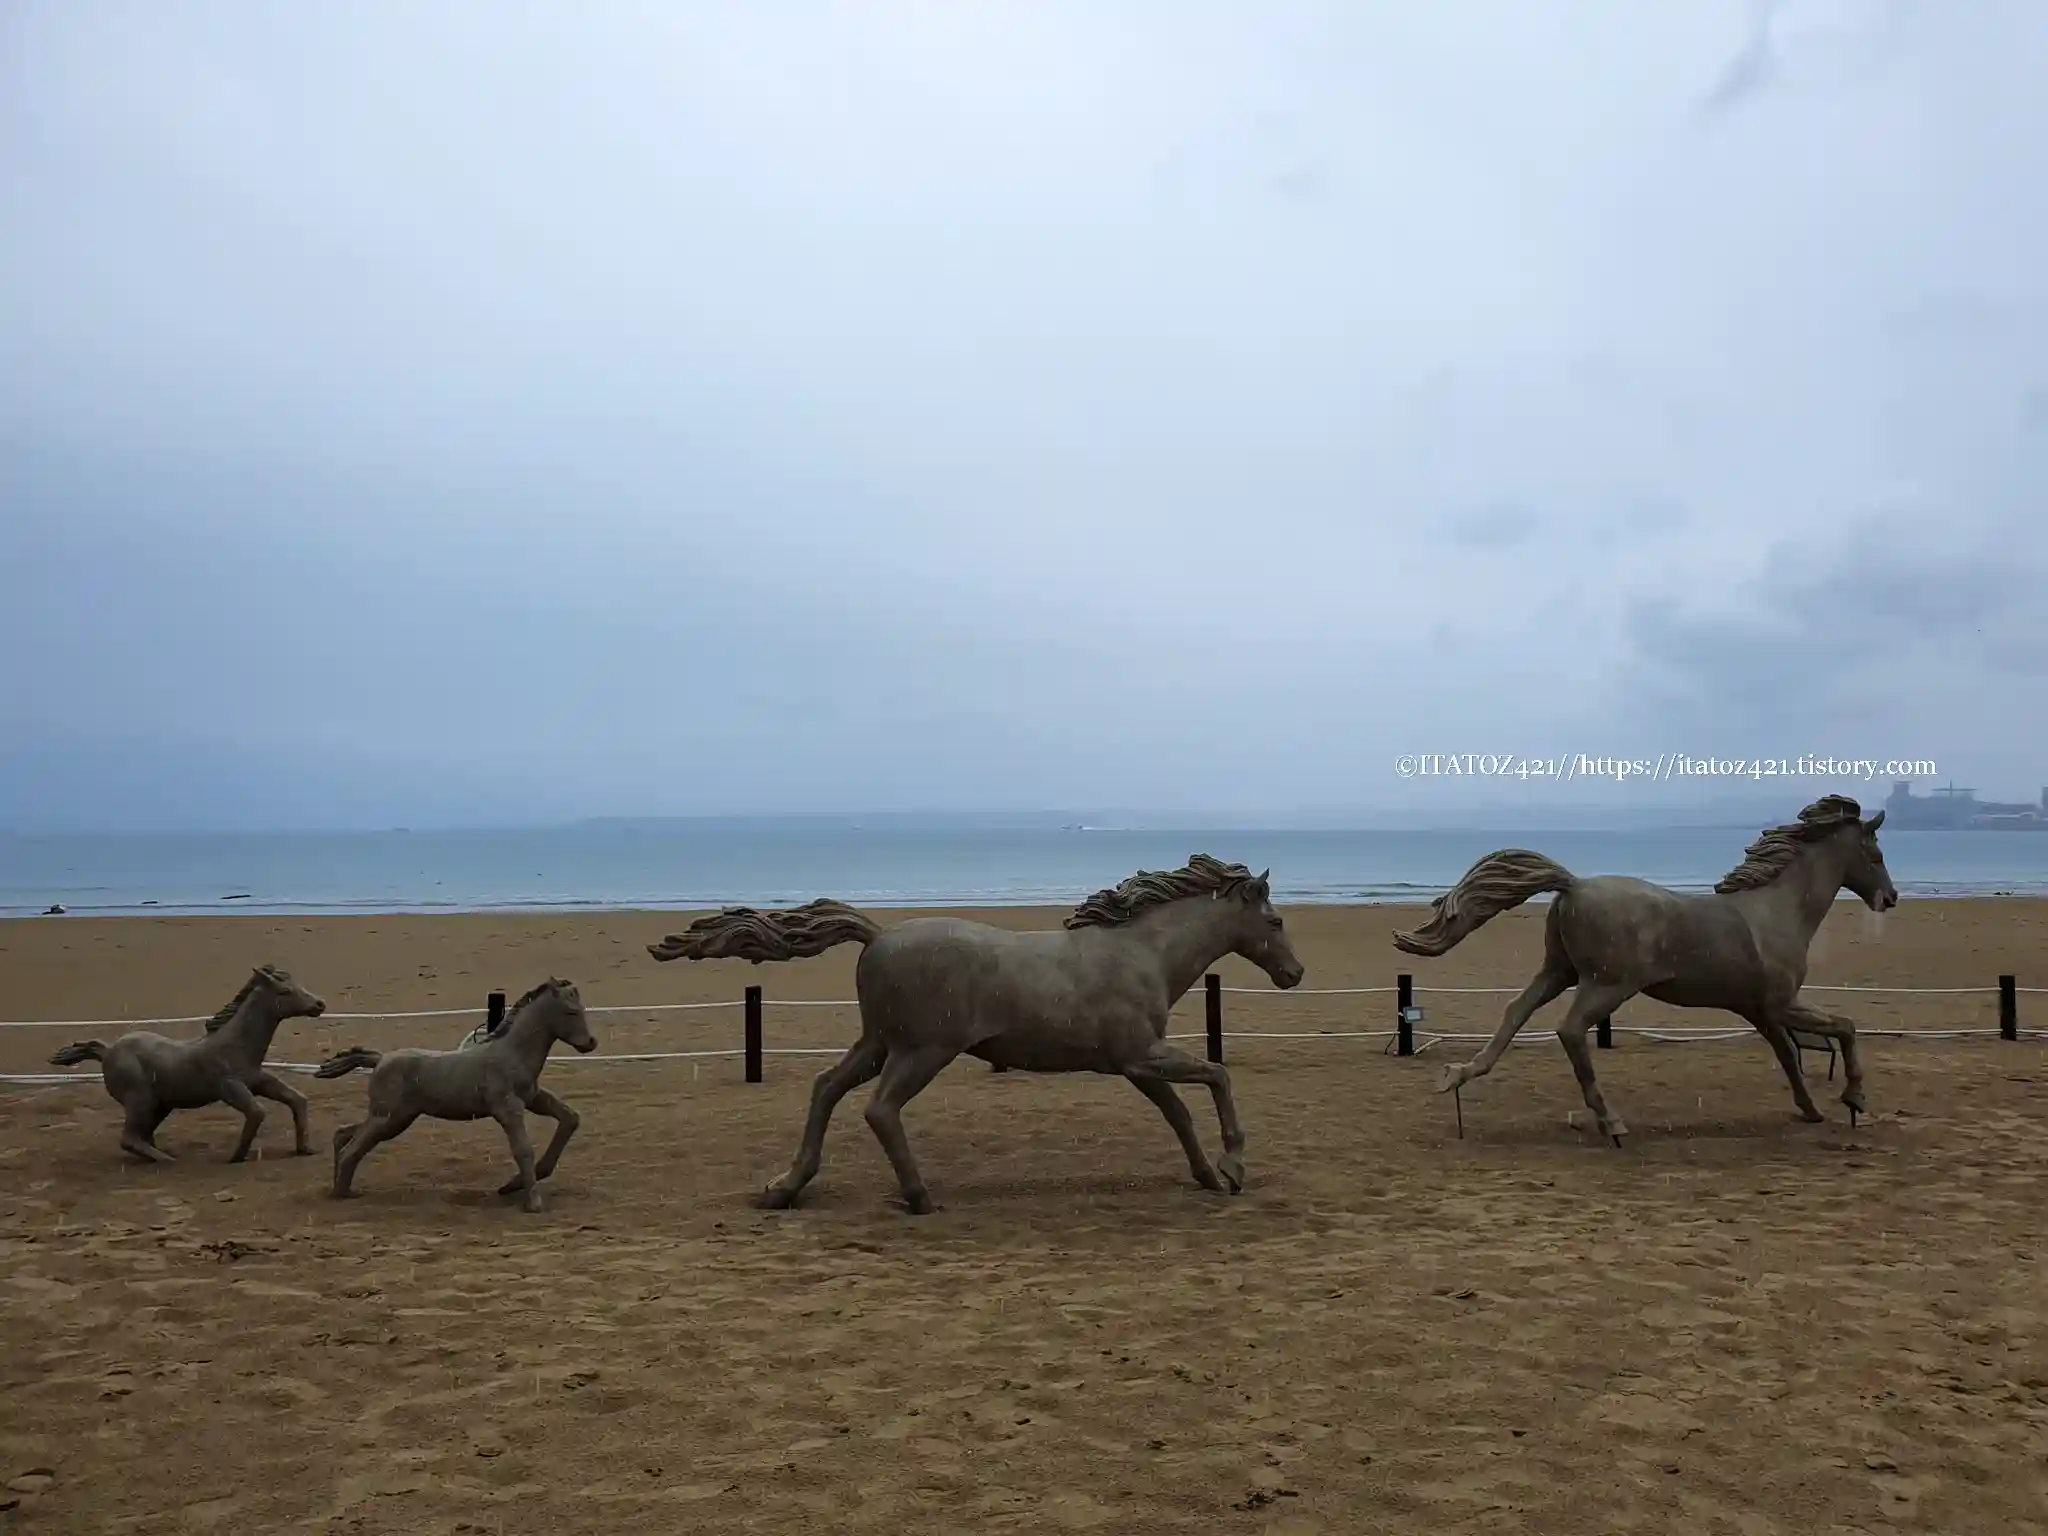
[
  {"x": 1090, "y": 997},
  {"x": 1742, "y": 948}
]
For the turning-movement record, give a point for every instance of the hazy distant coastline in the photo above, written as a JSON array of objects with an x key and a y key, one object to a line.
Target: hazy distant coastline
[{"x": 897, "y": 861}]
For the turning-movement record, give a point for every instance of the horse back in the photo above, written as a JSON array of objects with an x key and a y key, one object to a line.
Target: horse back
[
  {"x": 1688, "y": 950},
  {"x": 1050, "y": 996},
  {"x": 445, "y": 1085}
]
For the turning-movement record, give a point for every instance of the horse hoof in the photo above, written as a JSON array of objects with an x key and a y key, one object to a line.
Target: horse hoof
[
  {"x": 1232, "y": 1169},
  {"x": 1615, "y": 1137},
  {"x": 1815, "y": 1117},
  {"x": 919, "y": 1204},
  {"x": 1449, "y": 1078},
  {"x": 775, "y": 1198}
]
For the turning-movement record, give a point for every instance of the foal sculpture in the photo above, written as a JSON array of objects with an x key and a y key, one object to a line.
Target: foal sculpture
[
  {"x": 149, "y": 1075},
  {"x": 496, "y": 1078},
  {"x": 1742, "y": 949},
  {"x": 1092, "y": 996}
]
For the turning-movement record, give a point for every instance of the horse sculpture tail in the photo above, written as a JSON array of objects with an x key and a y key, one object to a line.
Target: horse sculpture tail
[
  {"x": 345, "y": 1062},
  {"x": 746, "y": 933},
  {"x": 77, "y": 1051},
  {"x": 1490, "y": 887}
]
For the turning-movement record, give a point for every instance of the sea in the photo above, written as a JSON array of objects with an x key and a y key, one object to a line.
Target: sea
[{"x": 708, "y": 863}]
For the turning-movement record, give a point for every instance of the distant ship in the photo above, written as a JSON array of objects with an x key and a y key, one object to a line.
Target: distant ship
[{"x": 1959, "y": 810}]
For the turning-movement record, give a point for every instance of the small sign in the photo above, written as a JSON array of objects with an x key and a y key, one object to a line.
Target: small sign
[{"x": 1411, "y": 1015}]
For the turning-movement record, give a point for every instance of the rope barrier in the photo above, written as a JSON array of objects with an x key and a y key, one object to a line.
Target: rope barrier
[{"x": 853, "y": 1002}]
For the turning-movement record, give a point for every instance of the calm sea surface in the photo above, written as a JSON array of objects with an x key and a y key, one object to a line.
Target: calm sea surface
[{"x": 707, "y": 864}]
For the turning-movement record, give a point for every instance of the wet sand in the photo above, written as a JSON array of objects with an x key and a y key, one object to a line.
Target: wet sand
[{"x": 1737, "y": 1323}]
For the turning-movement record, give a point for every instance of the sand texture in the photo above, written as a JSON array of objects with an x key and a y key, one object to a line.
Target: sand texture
[{"x": 1738, "y": 1323}]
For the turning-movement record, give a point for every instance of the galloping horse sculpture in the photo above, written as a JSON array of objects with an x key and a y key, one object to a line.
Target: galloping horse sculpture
[
  {"x": 1090, "y": 997},
  {"x": 497, "y": 1078},
  {"x": 1742, "y": 948},
  {"x": 149, "y": 1075}
]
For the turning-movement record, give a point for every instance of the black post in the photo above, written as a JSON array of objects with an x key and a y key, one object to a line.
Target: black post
[
  {"x": 1603, "y": 1033},
  {"x": 494, "y": 1012},
  {"x": 1212, "y": 986},
  {"x": 1404, "y": 1026},
  {"x": 753, "y": 1034},
  {"x": 2008, "y": 1008}
]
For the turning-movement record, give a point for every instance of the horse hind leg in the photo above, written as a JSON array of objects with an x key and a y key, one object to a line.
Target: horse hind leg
[
  {"x": 1592, "y": 1003},
  {"x": 1556, "y": 978},
  {"x": 859, "y": 1065},
  {"x": 368, "y": 1136},
  {"x": 142, "y": 1116},
  {"x": 906, "y": 1073}
]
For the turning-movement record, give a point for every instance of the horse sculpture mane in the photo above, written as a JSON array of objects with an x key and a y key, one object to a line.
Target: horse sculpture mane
[
  {"x": 1773, "y": 852},
  {"x": 1202, "y": 876},
  {"x": 229, "y": 1008}
]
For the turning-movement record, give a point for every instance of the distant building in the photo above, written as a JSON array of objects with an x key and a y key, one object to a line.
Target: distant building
[{"x": 1950, "y": 809}]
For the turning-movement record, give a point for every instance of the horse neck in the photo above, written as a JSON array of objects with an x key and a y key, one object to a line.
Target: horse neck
[
  {"x": 1805, "y": 893},
  {"x": 1187, "y": 937},
  {"x": 248, "y": 1033},
  {"x": 528, "y": 1036}
]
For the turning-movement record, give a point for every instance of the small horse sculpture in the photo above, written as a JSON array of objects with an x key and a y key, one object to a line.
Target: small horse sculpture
[
  {"x": 1091, "y": 997},
  {"x": 497, "y": 1077},
  {"x": 149, "y": 1075},
  {"x": 1742, "y": 948}
]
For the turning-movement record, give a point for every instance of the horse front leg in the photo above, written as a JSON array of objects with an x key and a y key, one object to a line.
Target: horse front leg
[
  {"x": 237, "y": 1096},
  {"x": 276, "y": 1089},
  {"x": 1842, "y": 1030},
  {"x": 1786, "y": 1049},
  {"x": 566, "y": 1120},
  {"x": 511, "y": 1116},
  {"x": 1161, "y": 1093},
  {"x": 1170, "y": 1064}
]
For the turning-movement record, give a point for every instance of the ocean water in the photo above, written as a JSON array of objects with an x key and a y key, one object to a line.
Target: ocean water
[{"x": 711, "y": 863}]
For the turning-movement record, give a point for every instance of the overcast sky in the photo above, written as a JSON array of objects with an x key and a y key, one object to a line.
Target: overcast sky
[{"x": 417, "y": 413}]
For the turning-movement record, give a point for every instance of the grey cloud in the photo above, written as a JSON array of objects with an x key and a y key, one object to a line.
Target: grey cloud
[{"x": 670, "y": 409}]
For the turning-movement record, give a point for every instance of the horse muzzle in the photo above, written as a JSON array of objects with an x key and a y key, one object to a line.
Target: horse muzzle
[{"x": 584, "y": 1046}]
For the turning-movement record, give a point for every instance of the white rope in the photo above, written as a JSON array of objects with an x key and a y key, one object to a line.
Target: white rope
[
  {"x": 850, "y": 1002},
  {"x": 1306, "y": 991}
]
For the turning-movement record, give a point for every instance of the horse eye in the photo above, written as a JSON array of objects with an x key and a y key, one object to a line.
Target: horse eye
[{"x": 1273, "y": 921}]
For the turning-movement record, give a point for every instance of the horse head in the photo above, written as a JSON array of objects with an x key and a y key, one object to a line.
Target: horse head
[
  {"x": 1261, "y": 936},
  {"x": 567, "y": 1021},
  {"x": 1864, "y": 874}
]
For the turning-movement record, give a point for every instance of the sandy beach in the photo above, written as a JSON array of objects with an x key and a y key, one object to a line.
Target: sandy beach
[{"x": 1738, "y": 1323}]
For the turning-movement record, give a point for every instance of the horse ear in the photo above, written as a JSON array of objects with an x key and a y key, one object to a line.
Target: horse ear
[{"x": 1874, "y": 823}]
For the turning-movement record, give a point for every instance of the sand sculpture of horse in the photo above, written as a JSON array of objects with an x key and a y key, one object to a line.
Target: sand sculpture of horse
[
  {"x": 149, "y": 1075},
  {"x": 1092, "y": 996},
  {"x": 1742, "y": 948},
  {"x": 496, "y": 1078}
]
